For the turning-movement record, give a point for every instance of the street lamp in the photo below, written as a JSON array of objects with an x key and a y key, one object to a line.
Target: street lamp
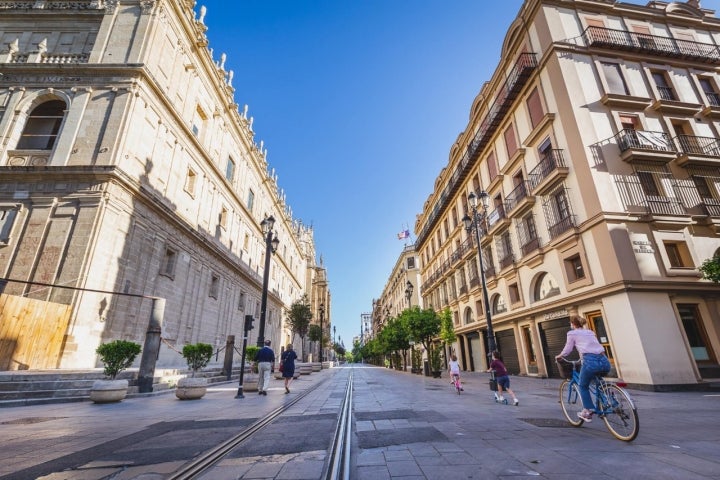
[
  {"x": 408, "y": 292},
  {"x": 469, "y": 224},
  {"x": 322, "y": 316},
  {"x": 334, "y": 344},
  {"x": 271, "y": 244}
]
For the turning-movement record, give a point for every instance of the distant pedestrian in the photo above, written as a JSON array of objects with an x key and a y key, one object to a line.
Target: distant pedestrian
[
  {"x": 265, "y": 359},
  {"x": 502, "y": 378},
  {"x": 287, "y": 359}
]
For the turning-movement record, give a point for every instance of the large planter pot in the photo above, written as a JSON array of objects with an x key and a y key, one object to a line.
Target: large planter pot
[
  {"x": 436, "y": 373},
  {"x": 304, "y": 368},
  {"x": 190, "y": 388},
  {"x": 250, "y": 382},
  {"x": 108, "y": 391},
  {"x": 316, "y": 366}
]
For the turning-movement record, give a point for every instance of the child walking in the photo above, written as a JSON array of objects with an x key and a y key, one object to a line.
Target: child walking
[{"x": 502, "y": 378}]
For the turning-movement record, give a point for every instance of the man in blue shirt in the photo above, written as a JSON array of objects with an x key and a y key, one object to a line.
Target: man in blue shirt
[{"x": 265, "y": 358}]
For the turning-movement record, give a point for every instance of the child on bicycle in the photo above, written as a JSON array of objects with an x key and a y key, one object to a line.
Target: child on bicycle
[
  {"x": 594, "y": 361},
  {"x": 454, "y": 370},
  {"x": 502, "y": 377}
]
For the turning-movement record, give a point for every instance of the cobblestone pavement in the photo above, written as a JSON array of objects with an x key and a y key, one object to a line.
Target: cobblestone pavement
[{"x": 405, "y": 426}]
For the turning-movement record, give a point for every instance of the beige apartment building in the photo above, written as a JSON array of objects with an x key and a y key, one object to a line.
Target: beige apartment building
[
  {"x": 128, "y": 171},
  {"x": 401, "y": 291},
  {"x": 597, "y": 140}
]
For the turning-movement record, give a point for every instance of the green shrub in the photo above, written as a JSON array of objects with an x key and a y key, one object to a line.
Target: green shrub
[
  {"x": 710, "y": 269},
  {"x": 197, "y": 355},
  {"x": 435, "y": 359},
  {"x": 250, "y": 352},
  {"x": 117, "y": 356}
]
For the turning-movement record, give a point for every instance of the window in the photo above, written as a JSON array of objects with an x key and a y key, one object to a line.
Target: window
[
  {"x": 250, "y": 200},
  {"x": 8, "y": 214},
  {"x": 648, "y": 184},
  {"x": 230, "y": 169},
  {"x": 222, "y": 220},
  {"x": 198, "y": 121},
  {"x": 42, "y": 127},
  {"x": 246, "y": 242},
  {"x": 214, "y": 286},
  {"x": 703, "y": 186},
  {"x": 574, "y": 268},
  {"x": 514, "y": 293},
  {"x": 241, "y": 301},
  {"x": 614, "y": 78},
  {"x": 498, "y": 304},
  {"x": 662, "y": 83},
  {"x": 696, "y": 334},
  {"x": 510, "y": 141},
  {"x": 596, "y": 323},
  {"x": 709, "y": 89},
  {"x": 190, "y": 181},
  {"x": 678, "y": 254},
  {"x": 492, "y": 166},
  {"x": 629, "y": 122},
  {"x": 169, "y": 262},
  {"x": 411, "y": 263},
  {"x": 545, "y": 287},
  {"x": 535, "y": 108}
]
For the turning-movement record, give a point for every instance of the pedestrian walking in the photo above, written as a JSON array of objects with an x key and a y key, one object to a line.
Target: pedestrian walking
[
  {"x": 265, "y": 359},
  {"x": 502, "y": 378},
  {"x": 287, "y": 360}
]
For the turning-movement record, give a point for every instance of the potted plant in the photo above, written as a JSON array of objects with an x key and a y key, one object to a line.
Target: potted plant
[
  {"x": 250, "y": 379},
  {"x": 116, "y": 356},
  {"x": 197, "y": 356},
  {"x": 435, "y": 362}
]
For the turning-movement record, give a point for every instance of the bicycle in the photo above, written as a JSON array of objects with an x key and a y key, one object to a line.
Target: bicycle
[
  {"x": 456, "y": 382},
  {"x": 612, "y": 403}
]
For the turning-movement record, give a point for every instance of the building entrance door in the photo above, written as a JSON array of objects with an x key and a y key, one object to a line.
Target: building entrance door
[{"x": 697, "y": 337}]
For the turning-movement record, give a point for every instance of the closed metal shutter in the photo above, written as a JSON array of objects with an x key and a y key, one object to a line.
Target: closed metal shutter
[
  {"x": 508, "y": 349},
  {"x": 553, "y": 335}
]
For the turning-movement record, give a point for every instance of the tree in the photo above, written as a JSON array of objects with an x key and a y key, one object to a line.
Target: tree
[
  {"x": 447, "y": 329},
  {"x": 315, "y": 334},
  {"x": 298, "y": 319},
  {"x": 422, "y": 325},
  {"x": 710, "y": 269}
]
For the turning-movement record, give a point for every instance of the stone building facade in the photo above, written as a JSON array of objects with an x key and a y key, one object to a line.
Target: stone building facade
[
  {"x": 127, "y": 171},
  {"x": 596, "y": 140},
  {"x": 397, "y": 296}
]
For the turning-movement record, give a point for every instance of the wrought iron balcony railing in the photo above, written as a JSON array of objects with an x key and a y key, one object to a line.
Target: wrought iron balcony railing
[
  {"x": 709, "y": 146},
  {"x": 562, "y": 226},
  {"x": 550, "y": 162},
  {"x": 642, "y": 42},
  {"x": 643, "y": 140},
  {"x": 515, "y": 197}
]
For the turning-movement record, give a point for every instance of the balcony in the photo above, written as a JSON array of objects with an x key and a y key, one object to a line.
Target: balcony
[
  {"x": 643, "y": 146},
  {"x": 530, "y": 246},
  {"x": 497, "y": 218},
  {"x": 507, "y": 260},
  {"x": 698, "y": 151},
  {"x": 661, "y": 205},
  {"x": 548, "y": 172},
  {"x": 518, "y": 199},
  {"x": 561, "y": 227},
  {"x": 489, "y": 271},
  {"x": 711, "y": 206},
  {"x": 506, "y": 95},
  {"x": 601, "y": 37},
  {"x": 712, "y": 109}
]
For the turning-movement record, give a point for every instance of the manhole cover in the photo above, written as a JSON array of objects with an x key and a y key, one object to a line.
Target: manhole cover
[
  {"x": 30, "y": 420},
  {"x": 547, "y": 422}
]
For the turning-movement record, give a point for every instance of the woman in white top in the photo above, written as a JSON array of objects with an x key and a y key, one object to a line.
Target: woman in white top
[
  {"x": 594, "y": 361},
  {"x": 454, "y": 368}
]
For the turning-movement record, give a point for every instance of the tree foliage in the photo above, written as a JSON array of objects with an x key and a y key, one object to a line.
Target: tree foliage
[
  {"x": 422, "y": 325},
  {"x": 197, "y": 355},
  {"x": 298, "y": 318},
  {"x": 710, "y": 269},
  {"x": 117, "y": 356},
  {"x": 447, "y": 329}
]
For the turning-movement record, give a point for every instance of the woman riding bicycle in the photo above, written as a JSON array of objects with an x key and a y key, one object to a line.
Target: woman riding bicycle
[{"x": 594, "y": 361}]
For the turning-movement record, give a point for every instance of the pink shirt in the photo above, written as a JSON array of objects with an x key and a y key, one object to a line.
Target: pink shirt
[{"x": 584, "y": 340}]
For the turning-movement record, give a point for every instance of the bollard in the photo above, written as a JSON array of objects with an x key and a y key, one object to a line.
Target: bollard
[{"x": 229, "y": 350}]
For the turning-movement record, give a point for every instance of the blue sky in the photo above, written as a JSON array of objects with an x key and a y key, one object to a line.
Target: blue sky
[{"x": 358, "y": 104}]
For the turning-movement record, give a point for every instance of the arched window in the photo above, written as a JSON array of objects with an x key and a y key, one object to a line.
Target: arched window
[
  {"x": 42, "y": 127},
  {"x": 469, "y": 316},
  {"x": 498, "y": 304},
  {"x": 545, "y": 287}
]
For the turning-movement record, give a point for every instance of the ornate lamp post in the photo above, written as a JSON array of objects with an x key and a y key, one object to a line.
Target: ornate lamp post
[
  {"x": 474, "y": 223},
  {"x": 322, "y": 317},
  {"x": 334, "y": 351},
  {"x": 271, "y": 244},
  {"x": 408, "y": 292}
]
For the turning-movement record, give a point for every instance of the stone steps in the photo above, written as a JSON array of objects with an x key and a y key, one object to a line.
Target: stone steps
[{"x": 30, "y": 387}]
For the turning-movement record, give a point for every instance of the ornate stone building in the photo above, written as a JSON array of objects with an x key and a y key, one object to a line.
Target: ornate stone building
[
  {"x": 127, "y": 171},
  {"x": 597, "y": 140}
]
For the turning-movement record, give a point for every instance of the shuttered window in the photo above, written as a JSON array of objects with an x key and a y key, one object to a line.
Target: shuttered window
[
  {"x": 614, "y": 78},
  {"x": 510, "y": 141},
  {"x": 535, "y": 108}
]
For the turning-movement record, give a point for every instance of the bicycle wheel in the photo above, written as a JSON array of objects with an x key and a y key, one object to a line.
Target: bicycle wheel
[
  {"x": 619, "y": 412},
  {"x": 570, "y": 402}
]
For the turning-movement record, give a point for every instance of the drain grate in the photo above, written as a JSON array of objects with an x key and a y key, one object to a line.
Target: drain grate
[
  {"x": 547, "y": 422},
  {"x": 30, "y": 420}
]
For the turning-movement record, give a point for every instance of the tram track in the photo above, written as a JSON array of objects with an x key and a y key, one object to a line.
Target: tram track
[{"x": 336, "y": 467}]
